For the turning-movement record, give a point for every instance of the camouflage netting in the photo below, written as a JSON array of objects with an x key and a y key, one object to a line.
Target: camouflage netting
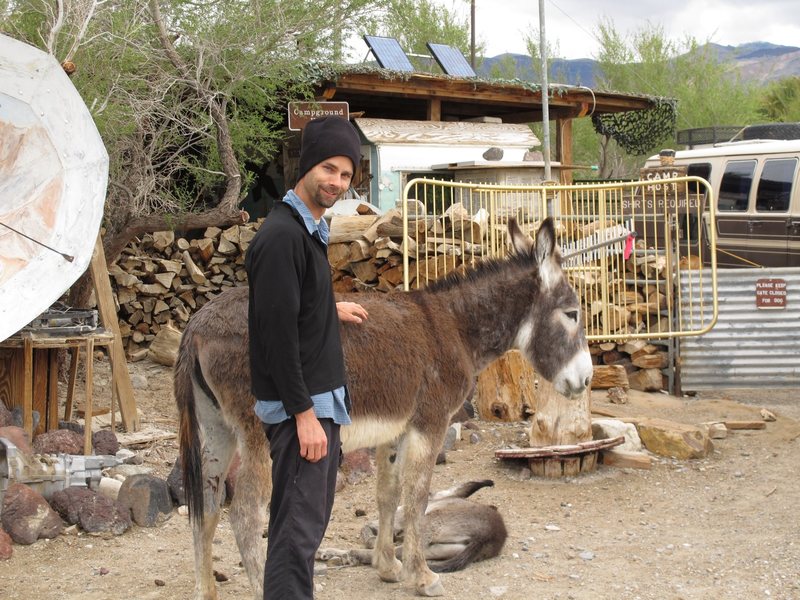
[{"x": 639, "y": 131}]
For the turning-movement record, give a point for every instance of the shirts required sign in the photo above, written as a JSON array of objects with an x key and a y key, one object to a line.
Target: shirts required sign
[{"x": 301, "y": 113}]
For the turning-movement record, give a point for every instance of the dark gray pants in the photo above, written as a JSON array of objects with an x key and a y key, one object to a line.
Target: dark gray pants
[{"x": 300, "y": 508}]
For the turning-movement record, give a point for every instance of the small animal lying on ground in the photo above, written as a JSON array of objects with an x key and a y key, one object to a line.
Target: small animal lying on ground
[{"x": 455, "y": 532}]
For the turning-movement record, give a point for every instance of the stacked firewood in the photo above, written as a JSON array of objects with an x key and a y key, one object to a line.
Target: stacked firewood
[
  {"x": 366, "y": 252},
  {"x": 162, "y": 279},
  {"x": 633, "y": 302}
]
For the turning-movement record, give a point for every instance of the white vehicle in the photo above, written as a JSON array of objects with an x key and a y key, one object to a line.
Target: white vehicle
[{"x": 757, "y": 189}]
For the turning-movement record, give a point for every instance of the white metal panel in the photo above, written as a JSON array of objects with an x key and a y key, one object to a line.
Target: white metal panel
[
  {"x": 446, "y": 133},
  {"x": 748, "y": 347}
]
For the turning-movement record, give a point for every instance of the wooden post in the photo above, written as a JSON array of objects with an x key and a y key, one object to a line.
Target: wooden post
[
  {"x": 434, "y": 109},
  {"x": 121, "y": 381},
  {"x": 505, "y": 390},
  {"x": 559, "y": 420},
  {"x": 73, "y": 376},
  {"x": 52, "y": 390},
  {"x": 88, "y": 411},
  {"x": 564, "y": 147},
  {"x": 27, "y": 396}
]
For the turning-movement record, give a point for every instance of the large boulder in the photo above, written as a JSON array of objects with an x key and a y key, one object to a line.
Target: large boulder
[
  {"x": 175, "y": 484},
  {"x": 57, "y": 442},
  {"x": 17, "y": 436},
  {"x": 26, "y": 515},
  {"x": 105, "y": 442},
  {"x": 147, "y": 498},
  {"x": 673, "y": 439},
  {"x": 94, "y": 512}
]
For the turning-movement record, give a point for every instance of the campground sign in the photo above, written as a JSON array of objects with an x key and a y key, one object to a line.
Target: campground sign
[{"x": 301, "y": 113}]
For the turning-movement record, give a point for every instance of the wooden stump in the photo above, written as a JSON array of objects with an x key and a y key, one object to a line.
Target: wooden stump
[
  {"x": 560, "y": 421},
  {"x": 506, "y": 389}
]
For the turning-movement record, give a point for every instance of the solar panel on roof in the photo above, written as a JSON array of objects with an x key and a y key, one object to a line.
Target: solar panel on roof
[
  {"x": 388, "y": 53},
  {"x": 451, "y": 60}
]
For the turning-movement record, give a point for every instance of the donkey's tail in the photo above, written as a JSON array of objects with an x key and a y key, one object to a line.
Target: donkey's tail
[
  {"x": 471, "y": 553},
  {"x": 187, "y": 368},
  {"x": 464, "y": 490}
]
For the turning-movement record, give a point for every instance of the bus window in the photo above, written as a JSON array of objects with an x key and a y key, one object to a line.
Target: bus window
[
  {"x": 734, "y": 190},
  {"x": 775, "y": 185}
]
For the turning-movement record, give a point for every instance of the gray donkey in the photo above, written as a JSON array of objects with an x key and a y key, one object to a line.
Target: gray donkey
[
  {"x": 455, "y": 532},
  {"x": 410, "y": 367}
]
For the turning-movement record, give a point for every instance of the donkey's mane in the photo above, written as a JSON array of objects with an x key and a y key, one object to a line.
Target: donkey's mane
[{"x": 482, "y": 269}]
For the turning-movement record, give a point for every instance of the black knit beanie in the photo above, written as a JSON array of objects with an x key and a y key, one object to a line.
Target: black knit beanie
[{"x": 326, "y": 137}]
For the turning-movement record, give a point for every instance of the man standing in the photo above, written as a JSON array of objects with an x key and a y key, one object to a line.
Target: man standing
[{"x": 296, "y": 358}]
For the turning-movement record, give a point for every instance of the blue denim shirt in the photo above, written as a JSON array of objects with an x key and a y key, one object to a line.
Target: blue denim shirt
[{"x": 328, "y": 405}]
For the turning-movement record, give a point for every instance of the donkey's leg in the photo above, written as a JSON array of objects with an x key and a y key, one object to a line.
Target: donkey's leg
[
  {"x": 388, "y": 494},
  {"x": 219, "y": 443},
  {"x": 248, "y": 512},
  {"x": 417, "y": 468}
]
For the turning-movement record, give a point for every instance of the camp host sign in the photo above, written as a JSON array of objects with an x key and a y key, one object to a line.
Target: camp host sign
[
  {"x": 301, "y": 113},
  {"x": 660, "y": 194}
]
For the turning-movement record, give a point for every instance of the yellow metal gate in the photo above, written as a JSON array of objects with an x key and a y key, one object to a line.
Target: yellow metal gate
[{"x": 624, "y": 245}]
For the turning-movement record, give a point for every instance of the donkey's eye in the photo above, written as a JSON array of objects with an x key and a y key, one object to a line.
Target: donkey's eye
[{"x": 572, "y": 315}]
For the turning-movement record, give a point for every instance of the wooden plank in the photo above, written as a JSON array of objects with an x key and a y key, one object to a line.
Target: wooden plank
[
  {"x": 745, "y": 424},
  {"x": 27, "y": 394},
  {"x": 11, "y": 372},
  {"x": 74, "y": 353},
  {"x": 571, "y": 466},
  {"x": 145, "y": 437},
  {"x": 121, "y": 379},
  {"x": 87, "y": 427},
  {"x": 434, "y": 109},
  {"x": 632, "y": 460},
  {"x": 589, "y": 462},
  {"x": 563, "y": 450},
  {"x": 40, "y": 386},
  {"x": 52, "y": 391}
]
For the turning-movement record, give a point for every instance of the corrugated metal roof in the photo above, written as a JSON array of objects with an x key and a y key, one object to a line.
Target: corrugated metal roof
[
  {"x": 392, "y": 131},
  {"x": 748, "y": 347}
]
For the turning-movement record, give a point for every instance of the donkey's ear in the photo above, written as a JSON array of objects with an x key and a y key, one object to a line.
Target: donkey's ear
[
  {"x": 547, "y": 253},
  {"x": 521, "y": 242}
]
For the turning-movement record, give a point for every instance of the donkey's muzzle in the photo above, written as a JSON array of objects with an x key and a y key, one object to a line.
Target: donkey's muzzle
[{"x": 576, "y": 376}]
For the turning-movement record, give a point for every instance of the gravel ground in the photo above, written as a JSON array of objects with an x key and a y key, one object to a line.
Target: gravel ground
[{"x": 722, "y": 527}]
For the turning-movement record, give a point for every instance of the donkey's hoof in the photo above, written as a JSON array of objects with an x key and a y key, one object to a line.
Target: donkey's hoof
[
  {"x": 393, "y": 573},
  {"x": 432, "y": 589}
]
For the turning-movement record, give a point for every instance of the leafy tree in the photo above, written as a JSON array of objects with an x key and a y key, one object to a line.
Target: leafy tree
[
  {"x": 186, "y": 93},
  {"x": 781, "y": 101},
  {"x": 708, "y": 90}
]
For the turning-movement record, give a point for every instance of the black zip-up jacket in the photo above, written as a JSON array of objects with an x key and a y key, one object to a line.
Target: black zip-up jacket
[{"x": 295, "y": 346}]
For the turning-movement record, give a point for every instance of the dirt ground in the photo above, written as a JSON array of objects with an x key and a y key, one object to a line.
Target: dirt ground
[{"x": 722, "y": 527}]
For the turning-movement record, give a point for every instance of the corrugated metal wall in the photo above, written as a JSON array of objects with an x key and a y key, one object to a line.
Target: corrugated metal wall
[{"x": 748, "y": 347}]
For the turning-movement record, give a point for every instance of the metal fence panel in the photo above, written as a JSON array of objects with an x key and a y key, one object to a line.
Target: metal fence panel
[
  {"x": 627, "y": 286},
  {"x": 749, "y": 347}
]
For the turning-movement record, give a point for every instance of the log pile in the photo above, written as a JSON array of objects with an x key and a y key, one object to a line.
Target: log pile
[
  {"x": 366, "y": 251},
  {"x": 163, "y": 279}
]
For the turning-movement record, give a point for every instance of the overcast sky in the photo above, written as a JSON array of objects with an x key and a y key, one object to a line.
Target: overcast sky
[{"x": 571, "y": 25}]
